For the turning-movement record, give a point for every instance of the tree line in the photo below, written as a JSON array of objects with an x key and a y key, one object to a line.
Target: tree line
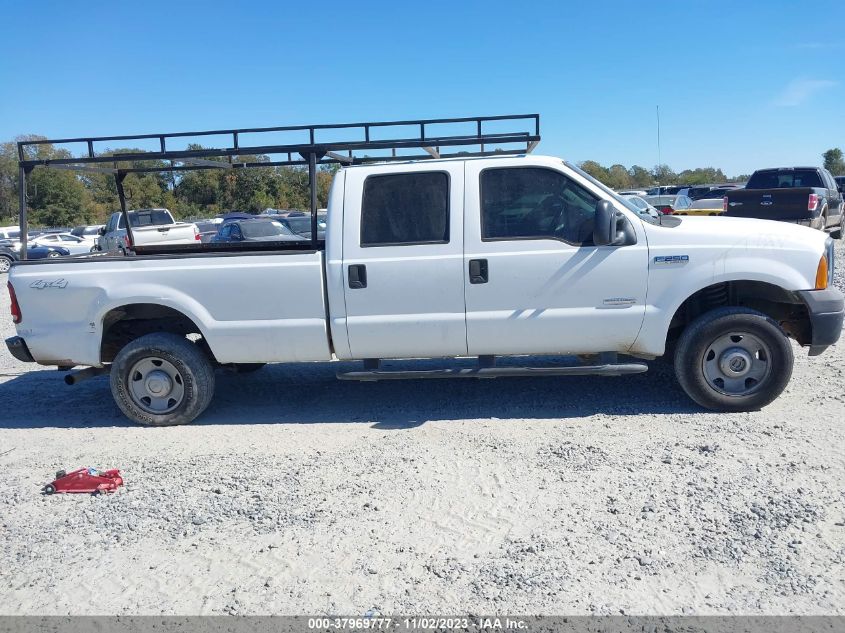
[{"x": 67, "y": 198}]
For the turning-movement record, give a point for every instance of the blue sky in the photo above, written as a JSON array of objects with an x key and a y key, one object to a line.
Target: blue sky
[{"x": 740, "y": 85}]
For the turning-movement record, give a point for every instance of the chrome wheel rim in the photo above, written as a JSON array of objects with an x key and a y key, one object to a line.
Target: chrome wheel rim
[
  {"x": 52, "y": 254},
  {"x": 5, "y": 265},
  {"x": 156, "y": 386},
  {"x": 737, "y": 364}
]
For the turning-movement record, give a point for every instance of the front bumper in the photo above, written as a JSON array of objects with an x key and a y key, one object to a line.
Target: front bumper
[
  {"x": 18, "y": 349},
  {"x": 826, "y": 309}
]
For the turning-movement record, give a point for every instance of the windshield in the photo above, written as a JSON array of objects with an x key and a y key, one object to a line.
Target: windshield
[
  {"x": 263, "y": 229},
  {"x": 641, "y": 213}
]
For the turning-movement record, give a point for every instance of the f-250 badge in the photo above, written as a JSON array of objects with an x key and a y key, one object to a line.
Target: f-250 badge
[
  {"x": 41, "y": 284},
  {"x": 671, "y": 259}
]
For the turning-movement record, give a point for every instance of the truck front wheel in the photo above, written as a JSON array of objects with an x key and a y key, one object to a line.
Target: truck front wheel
[
  {"x": 733, "y": 359},
  {"x": 162, "y": 379}
]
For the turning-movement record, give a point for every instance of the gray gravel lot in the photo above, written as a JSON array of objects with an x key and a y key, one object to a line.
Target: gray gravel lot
[{"x": 296, "y": 493}]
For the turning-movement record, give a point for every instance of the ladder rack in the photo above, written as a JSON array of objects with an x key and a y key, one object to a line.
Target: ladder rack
[{"x": 518, "y": 134}]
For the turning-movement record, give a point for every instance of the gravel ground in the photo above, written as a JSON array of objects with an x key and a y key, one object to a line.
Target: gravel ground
[{"x": 296, "y": 493}]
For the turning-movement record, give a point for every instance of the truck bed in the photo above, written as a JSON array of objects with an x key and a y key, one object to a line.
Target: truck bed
[
  {"x": 250, "y": 306},
  {"x": 788, "y": 204}
]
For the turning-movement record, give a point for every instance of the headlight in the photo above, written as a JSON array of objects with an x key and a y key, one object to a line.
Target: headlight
[{"x": 824, "y": 272}]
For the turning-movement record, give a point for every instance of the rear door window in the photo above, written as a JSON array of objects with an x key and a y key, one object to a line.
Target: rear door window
[{"x": 405, "y": 209}]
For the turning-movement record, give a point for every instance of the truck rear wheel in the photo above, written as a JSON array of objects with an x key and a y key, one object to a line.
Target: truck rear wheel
[
  {"x": 162, "y": 379},
  {"x": 733, "y": 359}
]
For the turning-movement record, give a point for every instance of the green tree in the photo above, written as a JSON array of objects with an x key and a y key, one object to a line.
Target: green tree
[
  {"x": 834, "y": 162},
  {"x": 701, "y": 176},
  {"x": 595, "y": 170},
  {"x": 640, "y": 177},
  {"x": 664, "y": 175},
  {"x": 618, "y": 177}
]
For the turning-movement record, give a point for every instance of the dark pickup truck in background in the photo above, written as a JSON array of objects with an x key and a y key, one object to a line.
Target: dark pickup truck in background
[{"x": 803, "y": 195}]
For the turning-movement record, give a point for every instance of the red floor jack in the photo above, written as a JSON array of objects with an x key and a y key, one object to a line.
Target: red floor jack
[{"x": 88, "y": 480}]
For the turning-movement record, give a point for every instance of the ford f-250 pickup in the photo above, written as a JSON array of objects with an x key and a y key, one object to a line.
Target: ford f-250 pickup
[{"x": 483, "y": 257}]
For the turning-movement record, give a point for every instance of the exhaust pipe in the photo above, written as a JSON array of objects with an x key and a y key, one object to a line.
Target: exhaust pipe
[{"x": 85, "y": 374}]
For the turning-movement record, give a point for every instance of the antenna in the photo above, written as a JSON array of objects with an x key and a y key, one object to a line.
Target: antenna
[
  {"x": 658, "y": 148},
  {"x": 658, "y": 136}
]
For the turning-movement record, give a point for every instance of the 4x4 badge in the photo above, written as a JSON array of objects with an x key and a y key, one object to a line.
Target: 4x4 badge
[{"x": 42, "y": 283}]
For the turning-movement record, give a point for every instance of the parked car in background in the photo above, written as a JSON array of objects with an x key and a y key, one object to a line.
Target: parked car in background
[
  {"x": 301, "y": 225},
  {"x": 256, "y": 230},
  {"x": 803, "y": 195},
  {"x": 149, "y": 227},
  {"x": 704, "y": 206},
  {"x": 706, "y": 191},
  {"x": 633, "y": 192},
  {"x": 89, "y": 233},
  {"x": 75, "y": 245},
  {"x": 232, "y": 216},
  {"x": 668, "y": 190},
  {"x": 207, "y": 229},
  {"x": 10, "y": 233},
  {"x": 641, "y": 203},
  {"x": 718, "y": 192},
  {"x": 9, "y": 255},
  {"x": 840, "y": 182},
  {"x": 669, "y": 204}
]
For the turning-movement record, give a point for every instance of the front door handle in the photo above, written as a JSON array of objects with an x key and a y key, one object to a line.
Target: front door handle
[
  {"x": 357, "y": 276},
  {"x": 478, "y": 271}
]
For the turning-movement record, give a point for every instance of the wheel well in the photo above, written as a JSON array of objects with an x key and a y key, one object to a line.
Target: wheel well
[
  {"x": 126, "y": 323},
  {"x": 782, "y": 306}
]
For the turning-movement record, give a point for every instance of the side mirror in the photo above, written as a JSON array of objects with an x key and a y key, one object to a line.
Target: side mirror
[
  {"x": 604, "y": 229},
  {"x": 101, "y": 230}
]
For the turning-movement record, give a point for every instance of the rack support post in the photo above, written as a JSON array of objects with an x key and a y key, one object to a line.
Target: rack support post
[
  {"x": 22, "y": 216},
  {"x": 121, "y": 194}
]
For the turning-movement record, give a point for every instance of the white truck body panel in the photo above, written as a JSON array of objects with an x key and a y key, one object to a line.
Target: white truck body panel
[
  {"x": 548, "y": 296},
  {"x": 414, "y": 303},
  {"x": 721, "y": 249},
  {"x": 250, "y": 308}
]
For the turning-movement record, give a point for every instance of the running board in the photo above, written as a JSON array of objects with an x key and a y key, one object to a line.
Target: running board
[{"x": 619, "y": 369}]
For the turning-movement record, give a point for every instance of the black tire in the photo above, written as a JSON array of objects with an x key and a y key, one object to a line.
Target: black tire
[
  {"x": 5, "y": 264},
  {"x": 839, "y": 232},
  {"x": 193, "y": 366},
  {"x": 705, "y": 331},
  {"x": 247, "y": 368},
  {"x": 49, "y": 489}
]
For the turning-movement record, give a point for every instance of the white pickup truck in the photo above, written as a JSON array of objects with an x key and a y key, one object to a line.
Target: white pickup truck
[
  {"x": 150, "y": 227},
  {"x": 481, "y": 257}
]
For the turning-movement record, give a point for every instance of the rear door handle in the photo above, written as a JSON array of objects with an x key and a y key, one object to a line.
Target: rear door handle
[
  {"x": 478, "y": 271},
  {"x": 357, "y": 276}
]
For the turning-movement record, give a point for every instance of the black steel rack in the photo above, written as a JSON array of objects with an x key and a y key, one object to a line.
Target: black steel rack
[{"x": 521, "y": 135}]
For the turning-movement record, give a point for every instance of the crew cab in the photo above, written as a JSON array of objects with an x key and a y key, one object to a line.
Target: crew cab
[
  {"x": 149, "y": 227},
  {"x": 803, "y": 195},
  {"x": 485, "y": 257}
]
